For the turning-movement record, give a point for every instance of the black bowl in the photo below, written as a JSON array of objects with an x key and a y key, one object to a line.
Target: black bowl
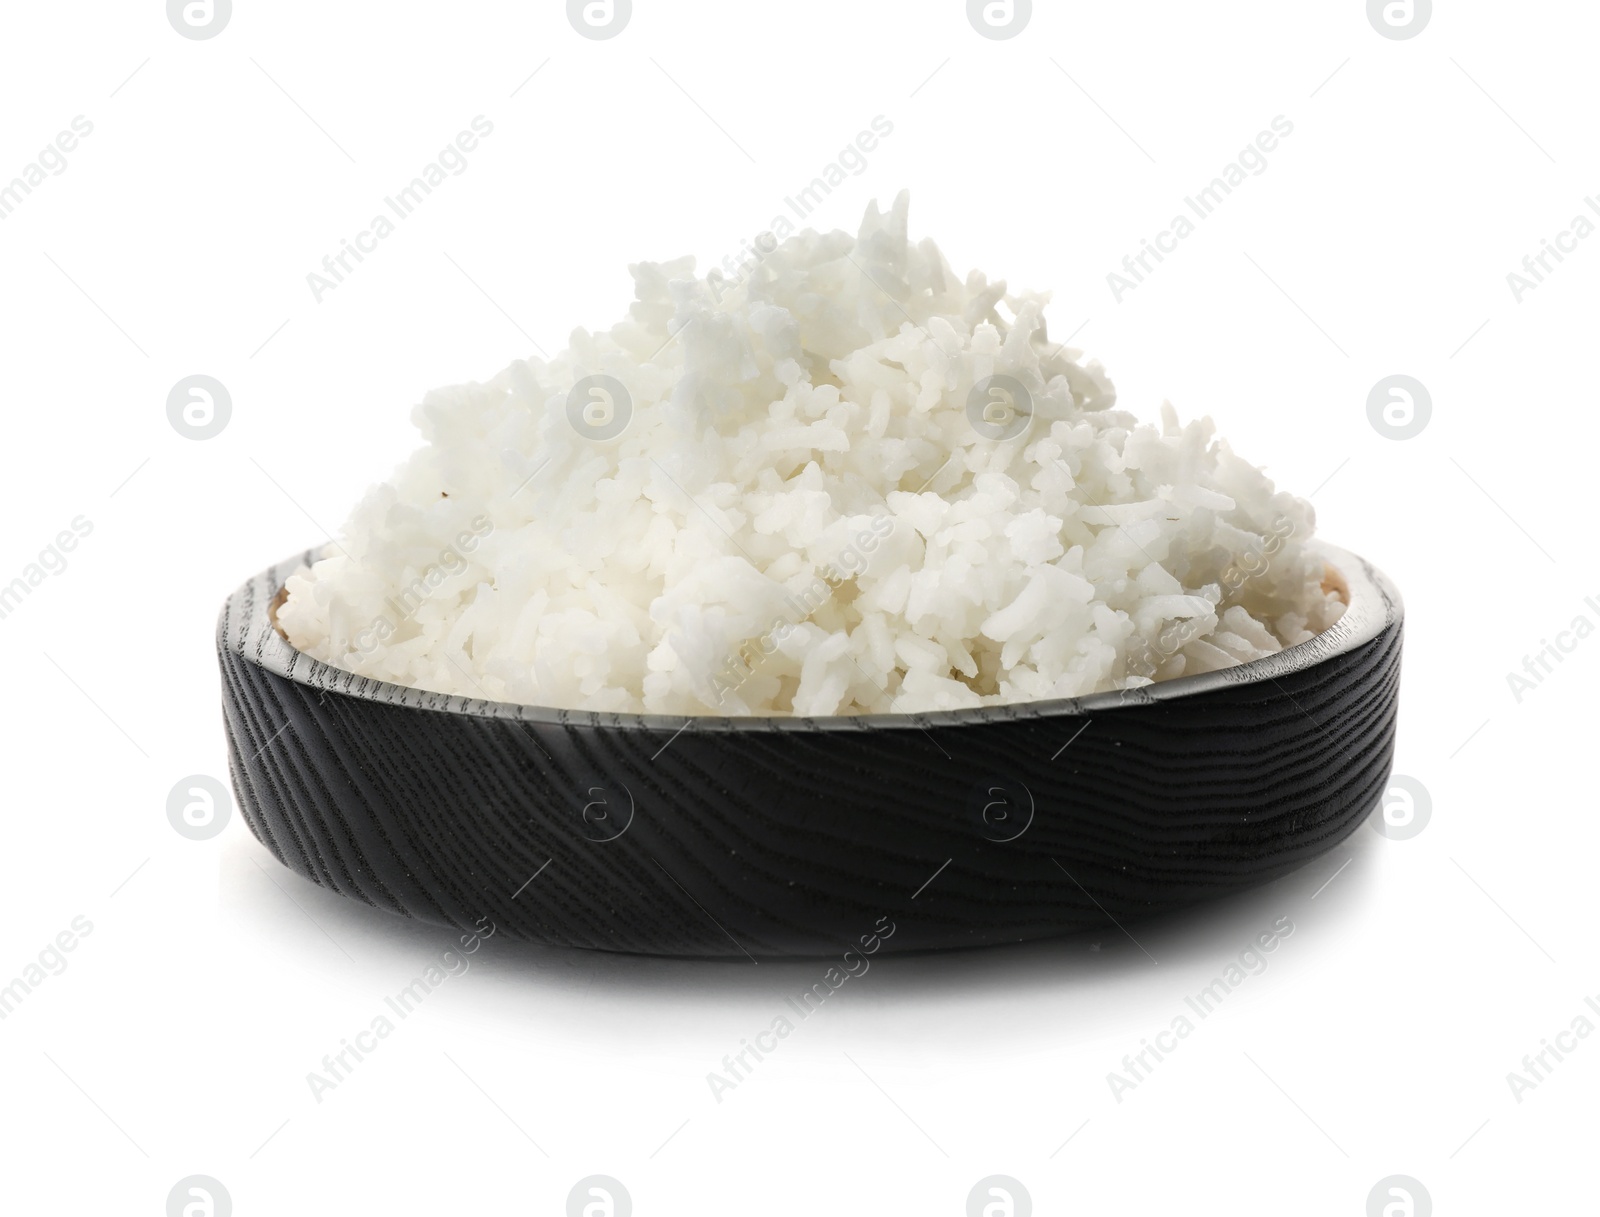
[{"x": 792, "y": 836}]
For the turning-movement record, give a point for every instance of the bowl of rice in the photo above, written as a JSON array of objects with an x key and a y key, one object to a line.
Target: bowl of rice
[{"x": 825, "y": 595}]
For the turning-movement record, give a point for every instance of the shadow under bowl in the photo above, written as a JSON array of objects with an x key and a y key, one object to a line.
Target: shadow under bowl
[{"x": 791, "y": 836}]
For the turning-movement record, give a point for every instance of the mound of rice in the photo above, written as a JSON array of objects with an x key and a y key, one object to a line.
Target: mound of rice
[{"x": 845, "y": 481}]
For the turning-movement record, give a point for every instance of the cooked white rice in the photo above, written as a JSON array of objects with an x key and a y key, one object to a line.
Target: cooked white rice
[{"x": 805, "y": 513}]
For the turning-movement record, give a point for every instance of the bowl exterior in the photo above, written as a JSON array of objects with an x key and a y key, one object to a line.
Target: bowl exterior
[{"x": 717, "y": 837}]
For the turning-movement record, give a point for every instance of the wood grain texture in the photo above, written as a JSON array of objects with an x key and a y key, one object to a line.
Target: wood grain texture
[{"x": 792, "y": 837}]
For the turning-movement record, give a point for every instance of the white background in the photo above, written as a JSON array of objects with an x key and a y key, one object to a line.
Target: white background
[{"x": 178, "y": 240}]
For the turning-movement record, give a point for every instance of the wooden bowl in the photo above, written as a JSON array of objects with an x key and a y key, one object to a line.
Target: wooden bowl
[{"x": 791, "y": 836}]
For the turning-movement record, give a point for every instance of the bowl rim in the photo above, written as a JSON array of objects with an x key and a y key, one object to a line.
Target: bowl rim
[{"x": 246, "y": 629}]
